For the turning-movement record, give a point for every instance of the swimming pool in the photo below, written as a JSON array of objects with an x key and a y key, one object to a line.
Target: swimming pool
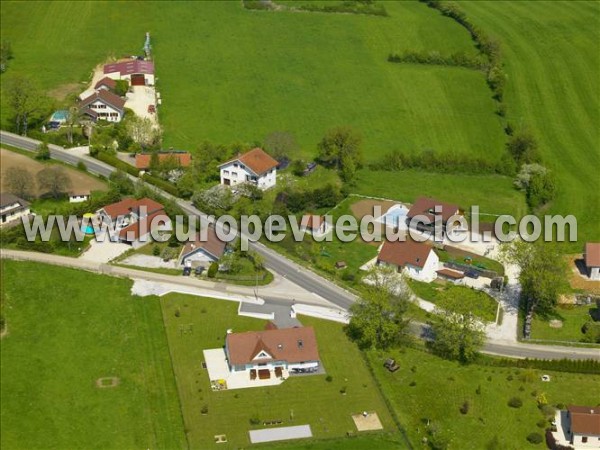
[
  {"x": 395, "y": 217},
  {"x": 59, "y": 116}
]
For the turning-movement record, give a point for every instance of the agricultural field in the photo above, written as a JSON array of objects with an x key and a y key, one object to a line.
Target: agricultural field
[
  {"x": 284, "y": 83},
  {"x": 194, "y": 324},
  {"x": 552, "y": 56},
  {"x": 428, "y": 390},
  {"x": 62, "y": 342},
  {"x": 79, "y": 180}
]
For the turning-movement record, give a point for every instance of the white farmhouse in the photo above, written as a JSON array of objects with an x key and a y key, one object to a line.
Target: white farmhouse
[
  {"x": 12, "y": 208},
  {"x": 103, "y": 105},
  {"x": 416, "y": 259},
  {"x": 255, "y": 167}
]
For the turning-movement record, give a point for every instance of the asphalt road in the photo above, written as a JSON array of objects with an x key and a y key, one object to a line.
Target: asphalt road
[
  {"x": 274, "y": 261},
  {"x": 294, "y": 272}
]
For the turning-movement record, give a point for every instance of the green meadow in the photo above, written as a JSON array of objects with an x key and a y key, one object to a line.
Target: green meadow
[{"x": 552, "y": 56}]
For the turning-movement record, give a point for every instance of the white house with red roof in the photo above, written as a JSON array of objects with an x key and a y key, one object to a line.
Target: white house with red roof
[
  {"x": 133, "y": 220},
  {"x": 255, "y": 166},
  {"x": 103, "y": 105},
  {"x": 592, "y": 260},
  {"x": 137, "y": 72},
  {"x": 418, "y": 260}
]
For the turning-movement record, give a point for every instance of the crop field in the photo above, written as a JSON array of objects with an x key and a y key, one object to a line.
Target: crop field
[
  {"x": 229, "y": 74},
  {"x": 84, "y": 365},
  {"x": 552, "y": 56}
]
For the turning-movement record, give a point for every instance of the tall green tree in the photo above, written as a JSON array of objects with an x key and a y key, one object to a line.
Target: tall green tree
[
  {"x": 543, "y": 275},
  {"x": 26, "y": 102},
  {"x": 379, "y": 316},
  {"x": 458, "y": 333},
  {"x": 340, "y": 146}
]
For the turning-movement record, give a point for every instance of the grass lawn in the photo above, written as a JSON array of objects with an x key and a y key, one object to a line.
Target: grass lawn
[
  {"x": 61, "y": 341},
  {"x": 552, "y": 56},
  {"x": 285, "y": 83},
  {"x": 573, "y": 318},
  {"x": 441, "y": 387},
  {"x": 456, "y": 255},
  {"x": 313, "y": 400},
  {"x": 480, "y": 303},
  {"x": 494, "y": 194}
]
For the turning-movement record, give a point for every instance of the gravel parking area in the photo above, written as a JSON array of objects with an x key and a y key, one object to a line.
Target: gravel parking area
[
  {"x": 154, "y": 262},
  {"x": 140, "y": 99}
]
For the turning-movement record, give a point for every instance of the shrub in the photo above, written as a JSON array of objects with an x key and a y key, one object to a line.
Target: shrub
[
  {"x": 548, "y": 410},
  {"x": 509, "y": 378},
  {"x": 254, "y": 420},
  {"x": 212, "y": 270},
  {"x": 412, "y": 383},
  {"x": 515, "y": 402},
  {"x": 204, "y": 409},
  {"x": 541, "y": 423},
  {"x": 329, "y": 378},
  {"x": 81, "y": 166},
  {"x": 478, "y": 390},
  {"x": 535, "y": 438},
  {"x": 464, "y": 409},
  {"x": 156, "y": 250},
  {"x": 343, "y": 390}
]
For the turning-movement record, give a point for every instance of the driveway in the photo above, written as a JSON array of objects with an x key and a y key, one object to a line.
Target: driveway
[
  {"x": 103, "y": 252},
  {"x": 140, "y": 99}
]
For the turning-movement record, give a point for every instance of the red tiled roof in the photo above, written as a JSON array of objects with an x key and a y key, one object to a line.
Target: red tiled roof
[
  {"x": 129, "y": 67},
  {"x": 142, "y": 160},
  {"x": 585, "y": 419},
  {"x": 212, "y": 244},
  {"x": 106, "y": 97},
  {"x": 134, "y": 231},
  {"x": 294, "y": 345},
  {"x": 401, "y": 253},
  {"x": 425, "y": 206},
  {"x": 451, "y": 274},
  {"x": 311, "y": 221},
  {"x": 256, "y": 160},
  {"x": 127, "y": 205},
  {"x": 106, "y": 81},
  {"x": 592, "y": 254}
]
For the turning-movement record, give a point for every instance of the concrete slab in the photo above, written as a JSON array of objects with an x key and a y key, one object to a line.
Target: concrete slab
[
  {"x": 367, "y": 422},
  {"x": 280, "y": 434},
  {"x": 155, "y": 262},
  {"x": 103, "y": 252}
]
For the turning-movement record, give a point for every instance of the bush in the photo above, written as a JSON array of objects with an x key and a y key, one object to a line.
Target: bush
[
  {"x": 548, "y": 411},
  {"x": 254, "y": 420},
  {"x": 156, "y": 250},
  {"x": 515, "y": 402},
  {"x": 212, "y": 270},
  {"x": 591, "y": 330},
  {"x": 81, "y": 166},
  {"x": 329, "y": 378},
  {"x": 464, "y": 409},
  {"x": 412, "y": 383},
  {"x": 204, "y": 409},
  {"x": 541, "y": 423},
  {"x": 535, "y": 438}
]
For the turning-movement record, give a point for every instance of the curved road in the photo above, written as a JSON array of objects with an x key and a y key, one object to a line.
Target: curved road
[{"x": 287, "y": 269}]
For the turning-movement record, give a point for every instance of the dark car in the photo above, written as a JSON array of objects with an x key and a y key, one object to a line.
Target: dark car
[
  {"x": 199, "y": 270},
  {"x": 472, "y": 274},
  {"x": 187, "y": 271}
]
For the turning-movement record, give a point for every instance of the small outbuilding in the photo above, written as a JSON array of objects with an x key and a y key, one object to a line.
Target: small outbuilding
[
  {"x": 79, "y": 196},
  {"x": 592, "y": 260}
]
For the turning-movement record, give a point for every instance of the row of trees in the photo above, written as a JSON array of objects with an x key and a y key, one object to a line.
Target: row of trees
[{"x": 52, "y": 180}]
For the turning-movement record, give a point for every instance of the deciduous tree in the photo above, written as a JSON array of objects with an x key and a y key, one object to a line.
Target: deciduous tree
[
  {"x": 54, "y": 180},
  {"x": 25, "y": 100},
  {"x": 19, "y": 181},
  {"x": 340, "y": 146}
]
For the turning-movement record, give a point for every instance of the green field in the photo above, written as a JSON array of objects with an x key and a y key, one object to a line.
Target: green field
[
  {"x": 441, "y": 387},
  {"x": 313, "y": 400},
  {"x": 572, "y": 317},
  {"x": 552, "y": 56},
  {"x": 67, "y": 329},
  {"x": 302, "y": 72}
]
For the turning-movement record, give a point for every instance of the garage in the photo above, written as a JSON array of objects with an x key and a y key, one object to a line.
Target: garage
[{"x": 138, "y": 79}]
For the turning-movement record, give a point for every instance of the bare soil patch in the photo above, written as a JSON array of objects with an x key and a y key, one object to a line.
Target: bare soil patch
[
  {"x": 578, "y": 278},
  {"x": 367, "y": 422},
  {"x": 78, "y": 179},
  {"x": 365, "y": 207},
  {"x": 107, "y": 382},
  {"x": 64, "y": 90}
]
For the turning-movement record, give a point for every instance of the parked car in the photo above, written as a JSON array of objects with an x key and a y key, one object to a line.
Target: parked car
[
  {"x": 187, "y": 271},
  {"x": 390, "y": 364},
  {"x": 199, "y": 270},
  {"x": 472, "y": 274}
]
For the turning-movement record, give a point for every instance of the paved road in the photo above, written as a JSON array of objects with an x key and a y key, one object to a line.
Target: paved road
[
  {"x": 292, "y": 272},
  {"x": 272, "y": 294},
  {"x": 277, "y": 263}
]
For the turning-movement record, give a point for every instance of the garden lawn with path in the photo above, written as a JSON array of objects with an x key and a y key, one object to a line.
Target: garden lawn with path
[
  {"x": 194, "y": 324},
  {"x": 427, "y": 393},
  {"x": 565, "y": 324},
  {"x": 67, "y": 330}
]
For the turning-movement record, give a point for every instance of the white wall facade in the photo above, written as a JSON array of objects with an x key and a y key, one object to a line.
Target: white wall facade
[
  {"x": 592, "y": 441},
  {"x": 105, "y": 111},
  {"x": 594, "y": 273},
  {"x": 78, "y": 198},
  {"x": 6, "y": 217},
  {"x": 428, "y": 272},
  {"x": 234, "y": 173}
]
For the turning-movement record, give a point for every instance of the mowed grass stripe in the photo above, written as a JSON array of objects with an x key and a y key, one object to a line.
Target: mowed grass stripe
[{"x": 553, "y": 59}]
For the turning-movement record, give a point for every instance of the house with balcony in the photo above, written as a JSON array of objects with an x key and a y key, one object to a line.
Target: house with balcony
[{"x": 255, "y": 166}]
